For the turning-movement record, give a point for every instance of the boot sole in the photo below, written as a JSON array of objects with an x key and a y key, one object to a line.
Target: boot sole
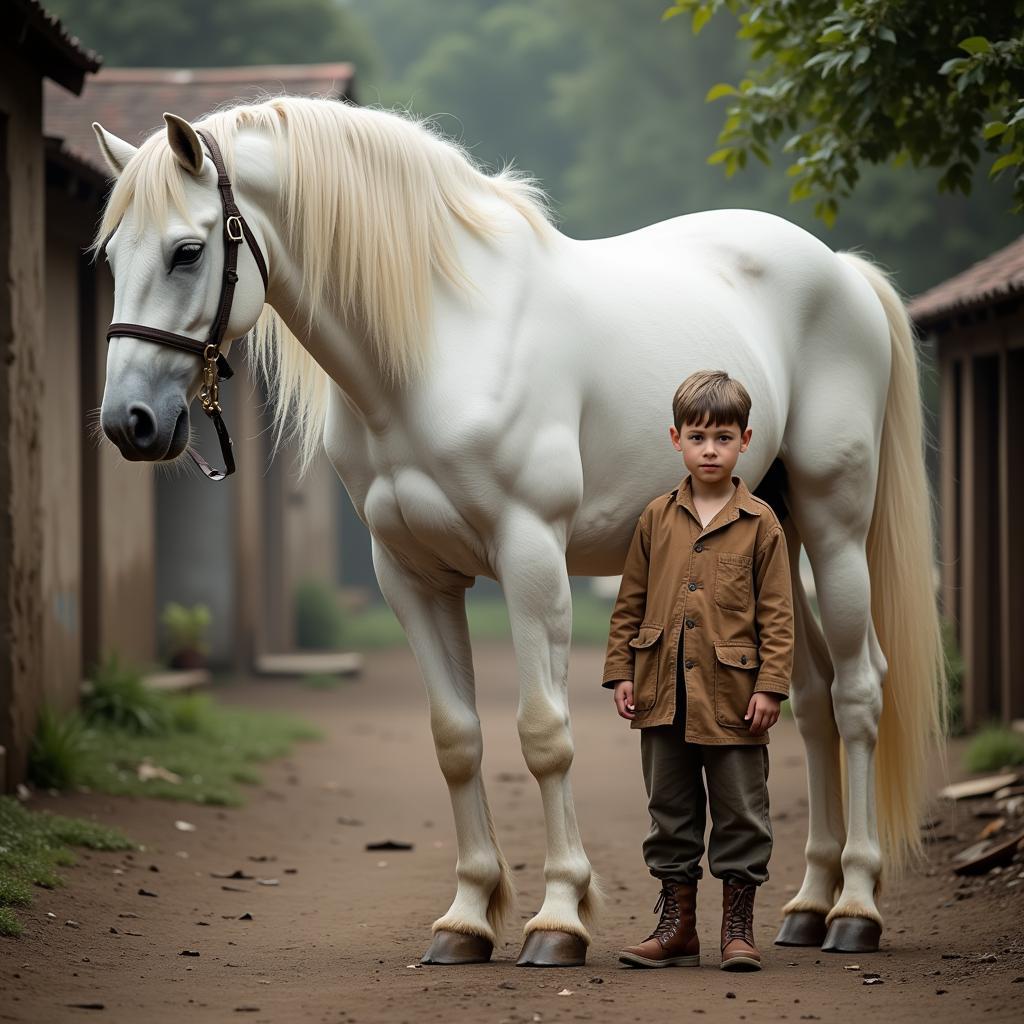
[
  {"x": 740, "y": 963},
  {"x": 673, "y": 961}
]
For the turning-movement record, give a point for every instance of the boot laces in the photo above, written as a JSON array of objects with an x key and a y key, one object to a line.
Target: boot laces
[
  {"x": 739, "y": 914},
  {"x": 668, "y": 907}
]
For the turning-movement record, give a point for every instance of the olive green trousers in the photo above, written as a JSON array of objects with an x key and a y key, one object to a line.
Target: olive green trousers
[{"x": 737, "y": 794}]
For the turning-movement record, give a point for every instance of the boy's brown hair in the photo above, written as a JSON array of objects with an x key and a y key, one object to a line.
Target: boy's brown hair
[{"x": 711, "y": 398}]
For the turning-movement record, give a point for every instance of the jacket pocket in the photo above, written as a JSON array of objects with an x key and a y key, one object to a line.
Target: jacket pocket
[
  {"x": 646, "y": 665},
  {"x": 735, "y": 674},
  {"x": 733, "y": 581}
]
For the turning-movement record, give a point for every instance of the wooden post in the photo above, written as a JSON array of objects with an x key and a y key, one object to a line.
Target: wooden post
[
  {"x": 1011, "y": 434},
  {"x": 949, "y": 526},
  {"x": 22, "y": 232}
]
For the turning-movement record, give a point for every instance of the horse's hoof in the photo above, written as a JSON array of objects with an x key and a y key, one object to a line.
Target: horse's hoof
[
  {"x": 802, "y": 928},
  {"x": 458, "y": 948},
  {"x": 852, "y": 935},
  {"x": 552, "y": 949}
]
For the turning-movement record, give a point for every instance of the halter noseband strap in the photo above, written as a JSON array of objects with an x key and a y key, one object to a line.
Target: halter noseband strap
[{"x": 215, "y": 365}]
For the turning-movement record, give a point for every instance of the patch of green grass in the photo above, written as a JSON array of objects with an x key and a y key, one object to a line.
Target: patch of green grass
[
  {"x": 33, "y": 846},
  {"x": 994, "y": 747},
  {"x": 211, "y": 748},
  {"x": 323, "y": 681},
  {"x": 376, "y": 627}
]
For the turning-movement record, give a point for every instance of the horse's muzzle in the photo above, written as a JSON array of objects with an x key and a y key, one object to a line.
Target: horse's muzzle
[{"x": 144, "y": 435}]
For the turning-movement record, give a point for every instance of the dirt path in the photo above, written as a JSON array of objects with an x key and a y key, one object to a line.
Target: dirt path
[{"x": 333, "y": 940}]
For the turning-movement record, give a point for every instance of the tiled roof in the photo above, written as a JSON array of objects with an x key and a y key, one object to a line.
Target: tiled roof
[
  {"x": 992, "y": 279},
  {"x": 130, "y": 102},
  {"x": 48, "y": 45}
]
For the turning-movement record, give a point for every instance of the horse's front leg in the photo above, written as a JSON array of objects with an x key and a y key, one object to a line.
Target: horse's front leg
[
  {"x": 531, "y": 567},
  {"x": 435, "y": 623}
]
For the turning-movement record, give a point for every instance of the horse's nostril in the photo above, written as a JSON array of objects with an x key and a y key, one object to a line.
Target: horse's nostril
[{"x": 141, "y": 425}]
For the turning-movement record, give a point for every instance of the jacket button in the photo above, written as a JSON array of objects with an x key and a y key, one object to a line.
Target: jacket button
[
  {"x": 692, "y": 586},
  {"x": 698, "y": 546},
  {"x": 690, "y": 623},
  {"x": 743, "y": 659},
  {"x": 689, "y": 664}
]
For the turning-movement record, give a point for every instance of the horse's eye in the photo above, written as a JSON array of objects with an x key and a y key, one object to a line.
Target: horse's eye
[{"x": 187, "y": 253}]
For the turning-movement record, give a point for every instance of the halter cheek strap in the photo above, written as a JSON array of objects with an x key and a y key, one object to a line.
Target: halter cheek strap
[{"x": 215, "y": 365}]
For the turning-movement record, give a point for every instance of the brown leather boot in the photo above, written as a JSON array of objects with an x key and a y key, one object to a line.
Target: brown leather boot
[
  {"x": 674, "y": 942},
  {"x": 738, "y": 950}
]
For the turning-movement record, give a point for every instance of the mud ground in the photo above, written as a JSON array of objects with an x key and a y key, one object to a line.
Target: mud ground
[{"x": 338, "y": 937}]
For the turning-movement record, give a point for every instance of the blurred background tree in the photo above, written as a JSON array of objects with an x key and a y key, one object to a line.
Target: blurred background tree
[{"x": 201, "y": 33}]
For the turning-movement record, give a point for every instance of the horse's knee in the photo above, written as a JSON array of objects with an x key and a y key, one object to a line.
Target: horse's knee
[
  {"x": 857, "y": 705},
  {"x": 458, "y": 742},
  {"x": 545, "y": 737}
]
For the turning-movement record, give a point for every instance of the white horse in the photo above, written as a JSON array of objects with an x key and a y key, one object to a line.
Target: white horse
[{"x": 494, "y": 397}]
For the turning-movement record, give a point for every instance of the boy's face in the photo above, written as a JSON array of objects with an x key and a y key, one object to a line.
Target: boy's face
[{"x": 710, "y": 453}]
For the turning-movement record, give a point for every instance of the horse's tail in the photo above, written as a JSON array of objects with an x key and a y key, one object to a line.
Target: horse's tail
[{"x": 900, "y": 551}]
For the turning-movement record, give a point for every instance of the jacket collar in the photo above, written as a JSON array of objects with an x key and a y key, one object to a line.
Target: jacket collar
[{"x": 742, "y": 500}]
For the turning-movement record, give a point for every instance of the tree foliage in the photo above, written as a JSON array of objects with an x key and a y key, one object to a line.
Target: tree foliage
[
  {"x": 854, "y": 82},
  {"x": 198, "y": 33}
]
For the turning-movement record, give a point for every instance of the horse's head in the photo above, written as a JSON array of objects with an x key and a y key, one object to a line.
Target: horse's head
[{"x": 167, "y": 250}]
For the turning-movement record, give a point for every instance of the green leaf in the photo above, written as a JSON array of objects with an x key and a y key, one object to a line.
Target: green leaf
[
  {"x": 672, "y": 12},
  {"x": 886, "y": 35},
  {"x": 718, "y": 91},
  {"x": 700, "y": 18},
  {"x": 952, "y": 65},
  {"x": 719, "y": 155},
  {"x": 976, "y": 44},
  {"x": 993, "y": 129},
  {"x": 1007, "y": 160},
  {"x": 832, "y": 36}
]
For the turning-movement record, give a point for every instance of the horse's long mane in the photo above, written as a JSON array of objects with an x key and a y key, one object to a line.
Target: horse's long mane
[{"x": 370, "y": 198}]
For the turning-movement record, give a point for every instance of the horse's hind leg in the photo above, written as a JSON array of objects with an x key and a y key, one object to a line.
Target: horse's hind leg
[
  {"x": 533, "y": 574},
  {"x": 832, "y": 498},
  {"x": 435, "y": 623},
  {"x": 804, "y": 924}
]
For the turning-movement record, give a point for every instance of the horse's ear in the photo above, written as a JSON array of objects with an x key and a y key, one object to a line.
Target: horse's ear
[
  {"x": 115, "y": 151},
  {"x": 184, "y": 143}
]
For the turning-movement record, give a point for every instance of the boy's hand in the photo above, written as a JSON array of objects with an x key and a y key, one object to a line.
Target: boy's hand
[
  {"x": 762, "y": 712},
  {"x": 623, "y": 694}
]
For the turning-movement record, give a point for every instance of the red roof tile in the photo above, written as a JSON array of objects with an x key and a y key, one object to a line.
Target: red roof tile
[
  {"x": 996, "y": 277},
  {"x": 130, "y": 102}
]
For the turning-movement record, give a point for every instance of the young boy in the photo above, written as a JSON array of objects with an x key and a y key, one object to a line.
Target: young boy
[{"x": 700, "y": 654}]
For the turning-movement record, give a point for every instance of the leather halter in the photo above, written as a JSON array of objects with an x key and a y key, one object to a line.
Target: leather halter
[{"x": 215, "y": 365}]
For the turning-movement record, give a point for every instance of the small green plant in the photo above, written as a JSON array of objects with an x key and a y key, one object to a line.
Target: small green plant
[
  {"x": 117, "y": 697},
  {"x": 58, "y": 748},
  {"x": 186, "y": 630},
  {"x": 33, "y": 846},
  {"x": 994, "y": 747},
  {"x": 190, "y": 713},
  {"x": 319, "y": 620}
]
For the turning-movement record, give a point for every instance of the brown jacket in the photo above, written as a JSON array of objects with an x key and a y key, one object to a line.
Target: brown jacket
[{"x": 727, "y": 588}]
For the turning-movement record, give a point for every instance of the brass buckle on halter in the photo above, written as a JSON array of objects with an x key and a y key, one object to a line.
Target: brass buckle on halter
[
  {"x": 233, "y": 226},
  {"x": 209, "y": 390}
]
